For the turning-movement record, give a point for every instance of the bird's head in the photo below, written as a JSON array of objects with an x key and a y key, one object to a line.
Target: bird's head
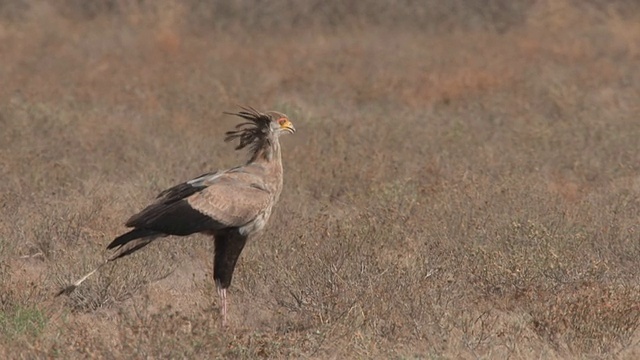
[
  {"x": 259, "y": 128},
  {"x": 280, "y": 123}
]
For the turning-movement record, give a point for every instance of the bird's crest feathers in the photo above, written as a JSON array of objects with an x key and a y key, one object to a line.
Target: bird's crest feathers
[
  {"x": 250, "y": 133},
  {"x": 260, "y": 132}
]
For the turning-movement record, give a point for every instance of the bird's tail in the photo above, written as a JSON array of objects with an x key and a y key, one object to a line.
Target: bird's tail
[
  {"x": 127, "y": 244},
  {"x": 130, "y": 236},
  {"x": 132, "y": 241},
  {"x": 69, "y": 289}
]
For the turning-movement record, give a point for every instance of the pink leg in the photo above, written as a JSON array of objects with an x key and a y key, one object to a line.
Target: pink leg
[{"x": 222, "y": 294}]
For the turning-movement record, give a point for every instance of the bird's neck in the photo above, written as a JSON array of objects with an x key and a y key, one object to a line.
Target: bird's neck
[
  {"x": 268, "y": 159},
  {"x": 268, "y": 152}
]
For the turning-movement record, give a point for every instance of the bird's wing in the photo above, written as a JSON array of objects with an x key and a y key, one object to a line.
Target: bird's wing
[
  {"x": 234, "y": 200},
  {"x": 209, "y": 202},
  {"x": 188, "y": 188}
]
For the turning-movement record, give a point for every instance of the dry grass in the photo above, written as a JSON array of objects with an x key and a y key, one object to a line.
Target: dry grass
[{"x": 465, "y": 181}]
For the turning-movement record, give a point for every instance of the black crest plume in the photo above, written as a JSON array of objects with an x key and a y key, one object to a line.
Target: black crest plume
[{"x": 252, "y": 133}]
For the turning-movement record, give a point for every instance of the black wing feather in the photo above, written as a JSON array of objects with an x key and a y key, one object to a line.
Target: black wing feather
[
  {"x": 181, "y": 191},
  {"x": 177, "y": 218},
  {"x": 171, "y": 214}
]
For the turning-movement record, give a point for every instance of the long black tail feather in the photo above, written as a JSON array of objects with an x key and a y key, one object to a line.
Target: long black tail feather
[{"x": 130, "y": 236}]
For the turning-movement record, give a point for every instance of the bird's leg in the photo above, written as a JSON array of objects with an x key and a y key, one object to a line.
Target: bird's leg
[{"x": 222, "y": 294}]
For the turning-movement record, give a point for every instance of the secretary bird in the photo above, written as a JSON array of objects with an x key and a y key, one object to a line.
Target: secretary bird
[{"x": 230, "y": 205}]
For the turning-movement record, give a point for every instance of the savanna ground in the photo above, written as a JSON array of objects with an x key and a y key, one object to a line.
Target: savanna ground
[{"x": 464, "y": 182}]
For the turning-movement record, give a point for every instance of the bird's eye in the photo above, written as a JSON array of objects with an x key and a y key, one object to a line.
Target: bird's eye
[{"x": 282, "y": 121}]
